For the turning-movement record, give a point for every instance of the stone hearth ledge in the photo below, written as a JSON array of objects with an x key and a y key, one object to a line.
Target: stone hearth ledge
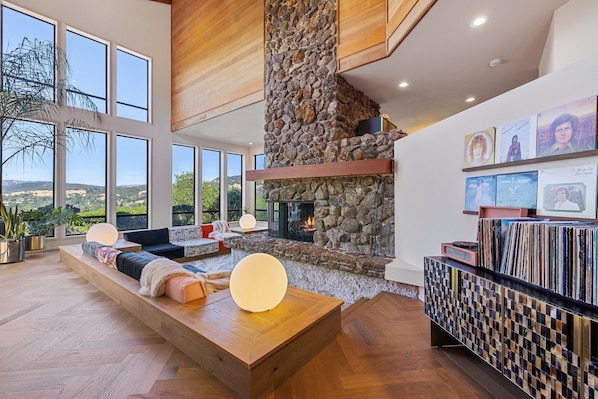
[{"x": 338, "y": 274}]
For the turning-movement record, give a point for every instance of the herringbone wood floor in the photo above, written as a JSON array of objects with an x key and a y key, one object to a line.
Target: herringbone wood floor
[{"x": 62, "y": 338}]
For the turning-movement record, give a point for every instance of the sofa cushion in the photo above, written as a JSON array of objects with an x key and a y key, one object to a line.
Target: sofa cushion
[
  {"x": 148, "y": 237},
  {"x": 206, "y": 229},
  {"x": 184, "y": 289},
  {"x": 90, "y": 247},
  {"x": 108, "y": 256},
  {"x": 168, "y": 250},
  {"x": 131, "y": 263},
  {"x": 202, "y": 246},
  {"x": 184, "y": 233}
]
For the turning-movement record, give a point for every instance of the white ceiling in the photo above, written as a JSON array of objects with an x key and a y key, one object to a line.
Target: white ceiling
[{"x": 444, "y": 60}]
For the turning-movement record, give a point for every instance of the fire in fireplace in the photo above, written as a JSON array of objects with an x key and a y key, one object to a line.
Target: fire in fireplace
[{"x": 293, "y": 220}]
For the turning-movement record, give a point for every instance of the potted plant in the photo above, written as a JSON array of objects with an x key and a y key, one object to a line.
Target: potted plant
[
  {"x": 12, "y": 246},
  {"x": 41, "y": 222}
]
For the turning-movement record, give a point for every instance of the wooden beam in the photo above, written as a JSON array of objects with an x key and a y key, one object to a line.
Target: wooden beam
[{"x": 380, "y": 166}]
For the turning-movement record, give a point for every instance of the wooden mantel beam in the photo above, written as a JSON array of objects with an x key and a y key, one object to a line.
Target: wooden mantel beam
[{"x": 380, "y": 166}]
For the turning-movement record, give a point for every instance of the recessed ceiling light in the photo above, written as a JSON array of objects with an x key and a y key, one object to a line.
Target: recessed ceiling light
[
  {"x": 403, "y": 84},
  {"x": 250, "y": 143},
  {"x": 478, "y": 21},
  {"x": 469, "y": 99}
]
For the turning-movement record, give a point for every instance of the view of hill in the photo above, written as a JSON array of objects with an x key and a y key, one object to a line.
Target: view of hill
[{"x": 86, "y": 197}]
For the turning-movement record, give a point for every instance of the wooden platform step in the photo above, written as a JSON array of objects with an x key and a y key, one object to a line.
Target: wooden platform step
[{"x": 353, "y": 308}]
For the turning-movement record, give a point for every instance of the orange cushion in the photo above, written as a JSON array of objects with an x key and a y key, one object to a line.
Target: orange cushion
[
  {"x": 206, "y": 229},
  {"x": 184, "y": 289}
]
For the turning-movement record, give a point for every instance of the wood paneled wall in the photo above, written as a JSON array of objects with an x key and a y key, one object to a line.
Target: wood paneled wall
[
  {"x": 217, "y": 58},
  {"x": 370, "y": 30},
  {"x": 361, "y": 32}
]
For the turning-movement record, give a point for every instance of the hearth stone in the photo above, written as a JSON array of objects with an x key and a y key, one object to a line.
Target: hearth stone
[
  {"x": 308, "y": 253},
  {"x": 337, "y": 283}
]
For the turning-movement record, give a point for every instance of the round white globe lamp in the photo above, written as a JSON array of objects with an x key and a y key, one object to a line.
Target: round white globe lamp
[
  {"x": 258, "y": 282},
  {"x": 104, "y": 233},
  {"x": 247, "y": 222}
]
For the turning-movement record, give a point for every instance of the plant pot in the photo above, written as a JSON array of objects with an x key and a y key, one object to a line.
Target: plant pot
[
  {"x": 35, "y": 243},
  {"x": 12, "y": 250}
]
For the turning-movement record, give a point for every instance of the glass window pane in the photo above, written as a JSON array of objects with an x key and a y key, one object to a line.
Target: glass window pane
[
  {"x": 210, "y": 185},
  {"x": 261, "y": 207},
  {"x": 131, "y": 183},
  {"x": 24, "y": 39},
  {"x": 86, "y": 177},
  {"x": 87, "y": 60},
  {"x": 28, "y": 164},
  {"x": 132, "y": 86},
  {"x": 183, "y": 185},
  {"x": 234, "y": 189}
]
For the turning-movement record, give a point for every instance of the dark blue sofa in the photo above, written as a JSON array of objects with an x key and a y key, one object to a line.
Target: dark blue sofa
[{"x": 156, "y": 242}]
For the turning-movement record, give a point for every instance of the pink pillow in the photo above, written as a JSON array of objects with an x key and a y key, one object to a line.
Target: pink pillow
[{"x": 184, "y": 289}]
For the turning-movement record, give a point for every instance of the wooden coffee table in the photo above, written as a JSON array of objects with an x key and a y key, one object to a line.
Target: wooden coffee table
[{"x": 124, "y": 245}]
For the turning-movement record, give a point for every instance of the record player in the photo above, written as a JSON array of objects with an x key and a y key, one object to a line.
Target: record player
[{"x": 462, "y": 251}]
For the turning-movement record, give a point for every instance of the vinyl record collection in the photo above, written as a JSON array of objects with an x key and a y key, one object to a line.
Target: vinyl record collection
[{"x": 559, "y": 256}]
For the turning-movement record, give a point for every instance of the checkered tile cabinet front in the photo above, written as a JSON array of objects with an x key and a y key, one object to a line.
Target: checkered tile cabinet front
[
  {"x": 590, "y": 366},
  {"x": 537, "y": 356},
  {"x": 481, "y": 305},
  {"x": 440, "y": 300},
  {"x": 590, "y": 379}
]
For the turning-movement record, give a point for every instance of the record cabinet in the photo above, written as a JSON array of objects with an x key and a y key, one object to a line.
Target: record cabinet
[{"x": 544, "y": 343}]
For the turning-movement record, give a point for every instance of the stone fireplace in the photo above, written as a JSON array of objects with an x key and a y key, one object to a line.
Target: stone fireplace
[{"x": 311, "y": 118}]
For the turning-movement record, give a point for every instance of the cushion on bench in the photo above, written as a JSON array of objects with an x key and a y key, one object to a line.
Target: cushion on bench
[
  {"x": 202, "y": 246},
  {"x": 168, "y": 250},
  {"x": 206, "y": 229},
  {"x": 184, "y": 233},
  {"x": 90, "y": 247},
  {"x": 184, "y": 289},
  {"x": 131, "y": 263},
  {"x": 148, "y": 237},
  {"x": 108, "y": 256}
]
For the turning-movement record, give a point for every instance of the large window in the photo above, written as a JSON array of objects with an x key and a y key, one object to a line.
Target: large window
[
  {"x": 261, "y": 207},
  {"x": 27, "y": 175},
  {"x": 210, "y": 185},
  {"x": 23, "y": 70},
  {"x": 234, "y": 186},
  {"x": 132, "y": 86},
  {"x": 86, "y": 177},
  {"x": 183, "y": 185},
  {"x": 75, "y": 64},
  {"x": 131, "y": 183},
  {"x": 88, "y": 61}
]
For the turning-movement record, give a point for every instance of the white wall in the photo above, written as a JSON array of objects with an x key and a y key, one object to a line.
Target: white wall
[
  {"x": 572, "y": 35},
  {"x": 429, "y": 182}
]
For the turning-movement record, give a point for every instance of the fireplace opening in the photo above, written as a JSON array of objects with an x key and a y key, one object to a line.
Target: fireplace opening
[{"x": 293, "y": 220}]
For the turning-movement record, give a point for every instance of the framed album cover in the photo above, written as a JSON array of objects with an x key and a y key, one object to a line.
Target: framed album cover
[
  {"x": 517, "y": 190},
  {"x": 480, "y": 191},
  {"x": 567, "y": 129},
  {"x": 516, "y": 140},
  {"x": 568, "y": 191},
  {"x": 479, "y": 148}
]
